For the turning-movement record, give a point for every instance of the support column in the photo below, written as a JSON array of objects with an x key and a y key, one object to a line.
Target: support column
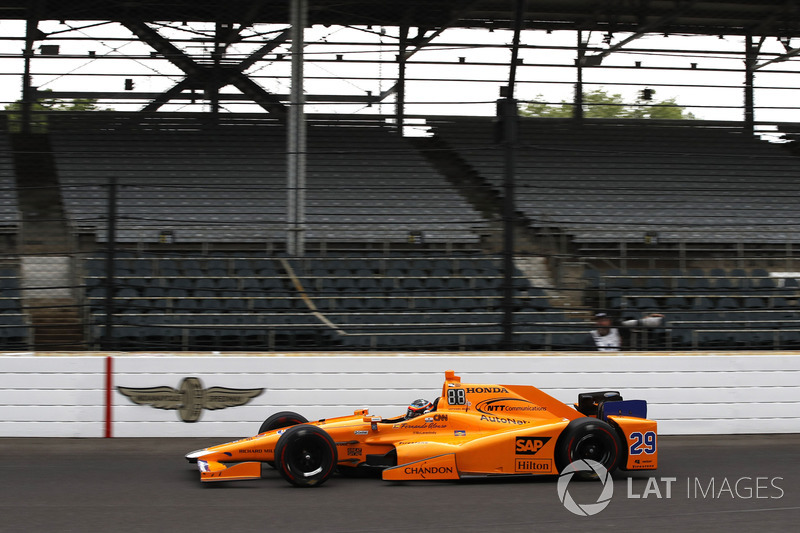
[
  {"x": 213, "y": 85},
  {"x": 508, "y": 112},
  {"x": 28, "y": 92},
  {"x": 400, "y": 103},
  {"x": 577, "y": 113},
  {"x": 751, "y": 57},
  {"x": 296, "y": 141}
]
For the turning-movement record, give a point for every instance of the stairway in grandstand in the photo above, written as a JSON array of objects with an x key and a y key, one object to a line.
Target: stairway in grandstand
[
  {"x": 44, "y": 228},
  {"x": 44, "y": 242},
  {"x": 487, "y": 200},
  {"x": 57, "y": 324},
  {"x": 536, "y": 270}
]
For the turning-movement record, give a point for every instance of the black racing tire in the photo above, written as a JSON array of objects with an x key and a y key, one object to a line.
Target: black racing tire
[
  {"x": 589, "y": 438},
  {"x": 281, "y": 420},
  {"x": 306, "y": 456}
]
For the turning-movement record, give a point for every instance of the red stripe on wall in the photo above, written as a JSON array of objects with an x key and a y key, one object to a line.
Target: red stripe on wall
[{"x": 109, "y": 389}]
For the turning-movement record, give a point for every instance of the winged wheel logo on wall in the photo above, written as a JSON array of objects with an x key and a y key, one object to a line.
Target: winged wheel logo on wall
[{"x": 190, "y": 398}]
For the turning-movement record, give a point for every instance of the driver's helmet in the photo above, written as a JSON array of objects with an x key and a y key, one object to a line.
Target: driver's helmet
[{"x": 418, "y": 407}]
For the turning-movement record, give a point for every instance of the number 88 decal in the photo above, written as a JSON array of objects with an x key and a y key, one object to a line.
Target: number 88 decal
[
  {"x": 643, "y": 443},
  {"x": 456, "y": 397}
]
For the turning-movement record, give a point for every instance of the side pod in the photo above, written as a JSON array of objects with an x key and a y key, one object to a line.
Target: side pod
[{"x": 439, "y": 467}]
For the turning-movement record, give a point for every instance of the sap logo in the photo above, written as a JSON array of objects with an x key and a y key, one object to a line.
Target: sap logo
[{"x": 530, "y": 445}]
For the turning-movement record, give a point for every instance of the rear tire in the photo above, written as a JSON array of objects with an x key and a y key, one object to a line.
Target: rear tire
[
  {"x": 306, "y": 456},
  {"x": 589, "y": 438}
]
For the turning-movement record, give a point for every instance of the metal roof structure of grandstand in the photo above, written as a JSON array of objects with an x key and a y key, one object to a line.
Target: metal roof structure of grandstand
[{"x": 730, "y": 17}]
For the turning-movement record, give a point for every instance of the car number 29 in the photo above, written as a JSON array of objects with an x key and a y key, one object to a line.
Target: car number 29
[
  {"x": 456, "y": 397},
  {"x": 643, "y": 443}
]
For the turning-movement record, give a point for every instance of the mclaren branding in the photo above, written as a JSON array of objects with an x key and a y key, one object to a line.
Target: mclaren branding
[
  {"x": 508, "y": 406},
  {"x": 190, "y": 398},
  {"x": 529, "y": 445}
]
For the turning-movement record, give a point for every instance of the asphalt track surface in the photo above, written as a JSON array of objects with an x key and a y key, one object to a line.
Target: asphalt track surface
[{"x": 145, "y": 485}]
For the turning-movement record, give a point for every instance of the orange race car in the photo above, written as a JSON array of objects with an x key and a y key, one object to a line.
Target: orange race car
[{"x": 469, "y": 431}]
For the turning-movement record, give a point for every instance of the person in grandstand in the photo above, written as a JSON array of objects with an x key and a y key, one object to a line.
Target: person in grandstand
[{"x": 609, "y": 336}]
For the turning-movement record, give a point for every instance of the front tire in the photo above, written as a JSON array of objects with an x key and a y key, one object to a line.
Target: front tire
[
  {"x": 281, "y": 420},
  {"x": 306, "y": 456},
  {"x": 589, "y": 438}
]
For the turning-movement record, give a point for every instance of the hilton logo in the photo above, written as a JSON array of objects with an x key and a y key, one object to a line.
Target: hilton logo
[{"x": 191, "y": 398}]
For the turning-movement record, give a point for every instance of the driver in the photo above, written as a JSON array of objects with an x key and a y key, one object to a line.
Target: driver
[{"x": 418, "y": 407}]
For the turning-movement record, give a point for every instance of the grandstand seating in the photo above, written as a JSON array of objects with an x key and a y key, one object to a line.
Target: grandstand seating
[
  {"x": 613, "y": 182},
  {"x": 15, "y": 331},
  {"x": 715, "y": 308},
  {"x": 227, "y": 181},
  {"x": 249, "y": 302},
  {"x": 9, "y": 206}
]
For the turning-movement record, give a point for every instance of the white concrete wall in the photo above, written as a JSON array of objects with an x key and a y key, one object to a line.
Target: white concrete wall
[
  {"x": 52, "y": 396},
  {"x": 687, "y": 394}
]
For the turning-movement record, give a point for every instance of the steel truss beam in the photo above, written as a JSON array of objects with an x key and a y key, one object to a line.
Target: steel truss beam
[
  {"x": 210, "y": 78},
  {"x": 410, "y": 46},
  {"x": 596, "y": 59},
  {"x": 790, "y": 53}
]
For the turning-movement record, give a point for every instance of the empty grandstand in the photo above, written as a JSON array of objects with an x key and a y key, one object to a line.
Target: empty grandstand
[
  {"x": 226, "y": 181},
  {"x": 170, "y": 229},
  {"x": 618, "y": 181},
  {"x": 241, "y": 301}
]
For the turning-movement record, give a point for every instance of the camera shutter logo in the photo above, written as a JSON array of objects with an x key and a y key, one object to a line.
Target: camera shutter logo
[{"x": 586, "y": 509}]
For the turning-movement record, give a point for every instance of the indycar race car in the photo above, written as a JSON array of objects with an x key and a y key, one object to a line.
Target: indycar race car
[{"x": 469, "y": 431}]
